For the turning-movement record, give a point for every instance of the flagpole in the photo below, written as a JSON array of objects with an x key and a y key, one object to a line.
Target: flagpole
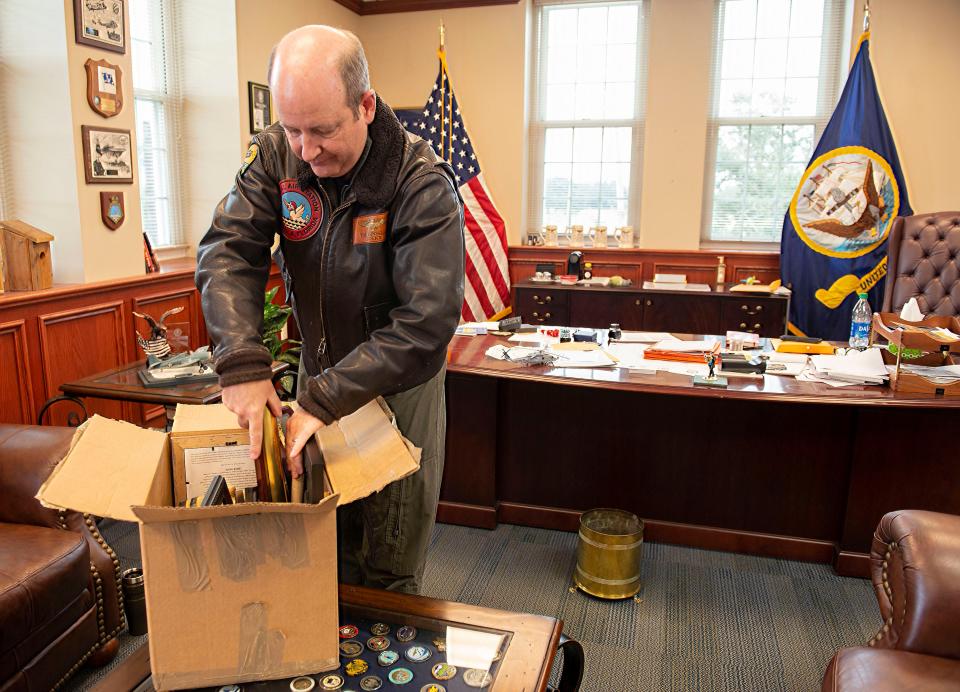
[
  {"x": 442, "y": 54},
  {"x": 866, "y": 15}
]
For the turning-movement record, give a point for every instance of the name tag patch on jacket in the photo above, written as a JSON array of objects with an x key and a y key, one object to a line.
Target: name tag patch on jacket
[
  {"x": 370, "y": 229},
  {"x": 302, "y": 210}
]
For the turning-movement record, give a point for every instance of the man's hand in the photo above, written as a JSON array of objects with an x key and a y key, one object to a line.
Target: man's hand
[
  {"x": 247, "y": 401},
  {"x": 300, "y": 428}
]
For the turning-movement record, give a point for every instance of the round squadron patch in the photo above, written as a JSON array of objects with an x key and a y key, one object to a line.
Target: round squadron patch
[{"x": 302, "y": 210}]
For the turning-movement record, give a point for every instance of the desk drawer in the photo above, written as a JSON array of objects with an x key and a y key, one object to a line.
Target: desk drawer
[
  {"x": 545, "y": 306},
  {"x": 542, "y": 297},
  {"x": 763, "y": 316}
]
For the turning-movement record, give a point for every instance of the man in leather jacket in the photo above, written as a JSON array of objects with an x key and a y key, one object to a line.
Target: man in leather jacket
[{"x": 371, "y": 250}]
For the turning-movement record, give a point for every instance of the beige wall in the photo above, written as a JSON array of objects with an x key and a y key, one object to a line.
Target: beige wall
[
  {"x": 260, "y": 25},
  {"x": 916, "y": 60},
  {"x": 485, "y": 56},
  {"x": 106, "y": 254}
]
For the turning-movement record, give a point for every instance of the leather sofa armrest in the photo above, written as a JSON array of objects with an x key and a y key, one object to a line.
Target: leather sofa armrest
[
  {"x": 28, "y": 454},
  {"x": 915, "y": 566}
]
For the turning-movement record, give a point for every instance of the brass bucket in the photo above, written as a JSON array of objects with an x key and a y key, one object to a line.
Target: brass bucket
[{"x": 608, "y": 553}]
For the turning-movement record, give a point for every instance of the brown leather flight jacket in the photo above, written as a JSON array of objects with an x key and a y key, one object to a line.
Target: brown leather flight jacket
[{"x": 375, "y": 279}]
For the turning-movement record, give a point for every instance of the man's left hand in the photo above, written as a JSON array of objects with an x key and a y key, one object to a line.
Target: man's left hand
[{"x": 300, "y": 428}]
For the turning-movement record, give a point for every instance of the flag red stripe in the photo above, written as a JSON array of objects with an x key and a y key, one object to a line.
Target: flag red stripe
[
  {"x": 483, "y": 244},
  {"x": 486, "y": 204},
  {"x": 474, "y": 278}
]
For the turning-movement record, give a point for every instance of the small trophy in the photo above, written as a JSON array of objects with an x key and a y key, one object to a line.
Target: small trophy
[{"x": 711, "y": 379}]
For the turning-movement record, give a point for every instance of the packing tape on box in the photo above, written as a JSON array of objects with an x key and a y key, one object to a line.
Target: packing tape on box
[
  {"x": 261, "y": 648},
  {"x": 244, "y": 542},
  {"x": 192, "y": 570}
]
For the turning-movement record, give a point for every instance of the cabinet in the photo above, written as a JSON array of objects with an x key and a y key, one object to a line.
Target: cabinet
[{"x": 634, "y": 308}]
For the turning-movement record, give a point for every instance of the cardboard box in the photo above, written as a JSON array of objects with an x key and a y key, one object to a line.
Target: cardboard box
[{"x": 234, "y": 593}]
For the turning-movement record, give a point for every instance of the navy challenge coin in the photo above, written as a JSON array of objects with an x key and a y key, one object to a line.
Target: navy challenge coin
[
  {"x": 407, "y": 633},
  {"x": 440, "y": 643},
  {"x": 370, "y": 683},
  {"x": 400, "y": 676},
  {"x": 444, "y": 671},
  {"x": 356, "y": 667},
  {"x": 433, "y": 687},
  {"x": 378, "y": 643},
  {"x": 302, "y": 684},
  {"x": 388, "y": 658},
  {"x": 230, "y": 688},
  {"x": 348, "y": 631},
  {"x": 477, "y": 678},
  {"x": 417, "y": 654},
  {"x": 351, "y": 648},
  {"x": 380, "y": 629},
  {"x": 331, "y": 682}
]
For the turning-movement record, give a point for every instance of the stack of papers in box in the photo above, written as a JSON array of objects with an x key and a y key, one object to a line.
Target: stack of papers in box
[{"x": 854, "y": 367}]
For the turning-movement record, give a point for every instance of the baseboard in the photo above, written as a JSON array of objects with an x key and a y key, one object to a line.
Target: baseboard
[
  {"x": 709, "y": 538},
  {"x": 466, "y": 515},
  {"x": 848, "y": 564}
]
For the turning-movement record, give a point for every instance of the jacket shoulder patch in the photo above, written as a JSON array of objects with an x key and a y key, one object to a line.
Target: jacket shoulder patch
[
  {"x": 370, "y": 229},
  {"x": 249, "y": 157}
]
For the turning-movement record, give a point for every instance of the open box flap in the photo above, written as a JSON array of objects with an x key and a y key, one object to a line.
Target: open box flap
[
  {"x": 110, "y": 466},
  {"x": 150, "y": 514},
  {"x": 364, "y": 452}
]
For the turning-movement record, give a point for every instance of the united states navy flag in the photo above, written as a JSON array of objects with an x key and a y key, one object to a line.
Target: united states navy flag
[{"x": 834, "y": 241}]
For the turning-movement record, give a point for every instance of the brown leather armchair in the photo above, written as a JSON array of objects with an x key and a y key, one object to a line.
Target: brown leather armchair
[
  {"x": 924, "y": 263},
  {"x": 915, "y": 565},
  {"x": 60, "y": 599}
]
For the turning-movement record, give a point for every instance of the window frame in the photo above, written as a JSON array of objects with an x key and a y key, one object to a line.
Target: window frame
[
  {"x": 539, "y": 125},
  {"x": 169, "y": 100},
  {"x": 830, "y": 87}
]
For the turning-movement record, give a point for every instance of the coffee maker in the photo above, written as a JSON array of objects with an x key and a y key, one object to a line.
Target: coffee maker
[{"x": 575, "y": 264}]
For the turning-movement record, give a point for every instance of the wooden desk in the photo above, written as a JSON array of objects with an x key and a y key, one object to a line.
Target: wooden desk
[
  {"x": 632, "y": 307},
  {"x": 530, "y": 643},
  {"x": 774, "y": 467}
]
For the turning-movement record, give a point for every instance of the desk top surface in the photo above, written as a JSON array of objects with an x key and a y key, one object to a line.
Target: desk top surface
[
  {"x": 720, "y": 291},
  {"x": 467, "y": 356}
]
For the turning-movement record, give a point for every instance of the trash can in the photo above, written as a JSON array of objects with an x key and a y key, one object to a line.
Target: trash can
[{"x": 608, "y": 553}]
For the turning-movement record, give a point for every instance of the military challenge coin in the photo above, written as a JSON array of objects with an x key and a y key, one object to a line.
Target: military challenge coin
[
  {"x": 400, "y": 676},
  {"x": 417, "y": 654},
  {"x": 302, "y": 684},
  {"x": 356, "y": 667},
  {"x": 433, "y": 687},
  {"x": 370, "y": 683},
  {"x": 378, "y": 643},
  {"x": 388, "y": 658},
  {"x": 440, "y": 643},
  {"x": 444, "y": 671},
  {"x": 348, "y": 631},
  {"x": 380, "y": 629},
  {"x": 475, "y": 677},
  {"x": 407, "y": 633},
  {"x": 351, "y": 648},
  {"x": 230, "y": 688},
  {"x": 331, "y": 682}
]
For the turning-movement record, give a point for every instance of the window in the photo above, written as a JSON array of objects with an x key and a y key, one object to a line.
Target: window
[
  {"x": 157, "y": 104},
  {"x": 586, "y": 116},
  {"x": 777, "y": 77}
]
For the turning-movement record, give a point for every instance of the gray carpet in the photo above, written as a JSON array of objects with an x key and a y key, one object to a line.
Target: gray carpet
[{"x": 706, "y": 620}]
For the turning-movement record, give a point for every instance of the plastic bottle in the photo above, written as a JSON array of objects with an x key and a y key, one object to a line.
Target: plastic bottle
[{"x": 860, "y": 323}]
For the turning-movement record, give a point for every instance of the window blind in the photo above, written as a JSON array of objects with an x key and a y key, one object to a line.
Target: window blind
[{"x": 778, "y": 68}]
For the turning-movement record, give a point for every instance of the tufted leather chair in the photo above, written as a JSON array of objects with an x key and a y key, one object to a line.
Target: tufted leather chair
[
  {"x": 924, "y": 263},
  {"x": 915, "y": 566},
  {"x": 60, "y": 599}
]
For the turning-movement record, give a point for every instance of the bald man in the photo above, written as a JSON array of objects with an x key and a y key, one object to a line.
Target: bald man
[{"x": 371, "y": 251}]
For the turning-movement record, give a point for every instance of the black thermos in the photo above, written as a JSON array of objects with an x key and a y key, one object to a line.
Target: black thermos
[{"x": 134, "y": 601}]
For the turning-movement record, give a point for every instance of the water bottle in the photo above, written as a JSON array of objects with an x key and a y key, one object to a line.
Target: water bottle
[{"x": 860, "y": 323}]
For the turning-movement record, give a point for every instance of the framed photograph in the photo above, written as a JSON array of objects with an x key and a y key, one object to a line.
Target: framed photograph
[
  {"x": 99, "y": 23},
  {"x": 107, "y": 154},
  {"x": 261, "y": 114}
]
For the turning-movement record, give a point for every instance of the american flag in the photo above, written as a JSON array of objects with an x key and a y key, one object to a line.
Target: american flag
[{"x": 486, "y": 293}]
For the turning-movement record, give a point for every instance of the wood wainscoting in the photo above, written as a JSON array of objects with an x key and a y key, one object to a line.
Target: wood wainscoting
[
  {"x": 70, "y": 331},
  {"x": 640, "y": 265}
]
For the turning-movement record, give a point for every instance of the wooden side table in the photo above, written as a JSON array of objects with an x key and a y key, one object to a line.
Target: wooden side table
[{"x": 528, "y": 648}]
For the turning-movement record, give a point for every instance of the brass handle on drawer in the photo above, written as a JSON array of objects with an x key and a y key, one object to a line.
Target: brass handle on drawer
[
  {"x": 536, "y": 314},
  {"x": 649, "y": 303},
  {"x": 636, "y": 302},
  {"x": 546, "y": 315},
  {"x": 743, "y": 325},
  {"x": 746, "y": 309},
  {"x": 548, "y": 299},
  {"x": 536, "y": 298},
  {"x": 756, "y": 326}
]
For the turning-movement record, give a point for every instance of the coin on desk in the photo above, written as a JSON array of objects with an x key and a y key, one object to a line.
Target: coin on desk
[
  {"x": 477, "y": 678},
  {"x": 302, "y": 684},
  {"x": 400, "y": 676},
  {"x": 407, "y": 633},
  {"x": 348, "y": 631},
  {"x": 444, "y": 671},
  {"x": 440, "y": 643},
  {"x": 351, "y": 648},
  {"x": 356, "y": 667},
  {"x": 230, "y": 688},
  {"x": 331, "y": 682},
  {"x": 417, "y": 654},
  {"x": 388, "y": 658},
  {"x": 433, "y": 687},
  {"x": 377, "y": 643},
  {"x": 370, "y": 683},
  {"x": 380, "y": 629}
]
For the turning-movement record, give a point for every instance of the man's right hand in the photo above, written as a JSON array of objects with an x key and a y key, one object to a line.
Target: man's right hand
[{"x": 247, "y": 401}]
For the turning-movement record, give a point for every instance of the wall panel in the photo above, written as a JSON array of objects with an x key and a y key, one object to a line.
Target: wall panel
[{"x": 16, "y": 397}]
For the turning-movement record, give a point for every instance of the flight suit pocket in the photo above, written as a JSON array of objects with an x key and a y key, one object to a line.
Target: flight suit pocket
[{"x": 377, "y": 316}]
